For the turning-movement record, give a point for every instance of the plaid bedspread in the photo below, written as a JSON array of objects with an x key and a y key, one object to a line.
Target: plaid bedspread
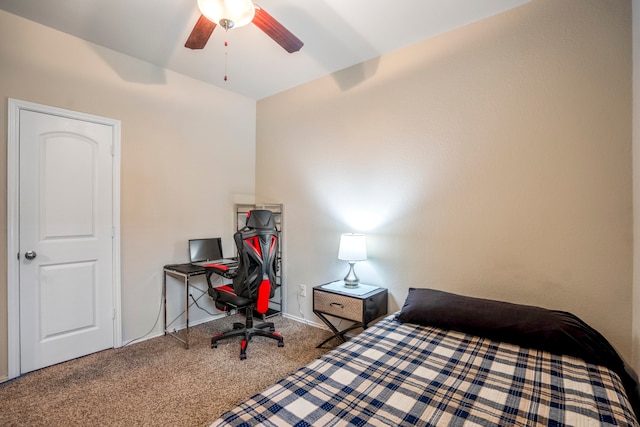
[{"x": 396, "y": 374}]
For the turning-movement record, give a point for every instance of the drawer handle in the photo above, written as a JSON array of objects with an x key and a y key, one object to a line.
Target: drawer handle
[{"x": 335, "y": 304}]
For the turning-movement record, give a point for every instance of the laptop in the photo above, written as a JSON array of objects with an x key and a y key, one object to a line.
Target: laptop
[{"x": 208, "y": 251}]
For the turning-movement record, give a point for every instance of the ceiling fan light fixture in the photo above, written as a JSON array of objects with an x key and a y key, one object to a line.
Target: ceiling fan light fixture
[{"x": 228, "y": 13}]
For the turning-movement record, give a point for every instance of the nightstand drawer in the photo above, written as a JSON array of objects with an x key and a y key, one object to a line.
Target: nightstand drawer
[{"x": 338, "y": 305}]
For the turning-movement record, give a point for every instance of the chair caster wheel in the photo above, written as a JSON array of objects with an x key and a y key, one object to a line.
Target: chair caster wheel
[
  {"x": 243, "y": 356},
  {"x": 214, "y": 345},
  {"x": 280, "y": 343}
]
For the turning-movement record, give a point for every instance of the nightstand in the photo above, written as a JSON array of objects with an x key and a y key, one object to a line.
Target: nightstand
[{"x": 361, "y": 305}]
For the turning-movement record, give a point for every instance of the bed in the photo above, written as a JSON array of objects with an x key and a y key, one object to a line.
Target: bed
[{"x": 449, "y": 360}]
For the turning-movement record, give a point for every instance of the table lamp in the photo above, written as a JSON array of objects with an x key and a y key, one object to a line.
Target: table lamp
[{"x": 353, "y": 247}]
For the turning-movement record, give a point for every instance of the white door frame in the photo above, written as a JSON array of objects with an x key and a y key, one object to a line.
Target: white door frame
[{"x": 13, "y": 222}]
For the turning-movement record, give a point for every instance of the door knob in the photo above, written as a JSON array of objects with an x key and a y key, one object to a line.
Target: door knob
[{"x": 30, "y": 254}]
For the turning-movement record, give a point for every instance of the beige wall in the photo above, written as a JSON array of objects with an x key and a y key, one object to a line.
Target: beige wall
[
  {"x": 493, "y": 161},
  {"x": 177, "y": 133}
]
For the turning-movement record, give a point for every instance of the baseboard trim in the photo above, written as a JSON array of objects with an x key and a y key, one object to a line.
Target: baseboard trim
[
  {"x": 175, "y": 329},
  {"x": 216, "y": 317},
  {"x": 305, "y": 321}
]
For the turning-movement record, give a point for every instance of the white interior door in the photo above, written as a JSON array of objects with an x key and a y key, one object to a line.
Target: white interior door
[{"x": 66, "y": 238}]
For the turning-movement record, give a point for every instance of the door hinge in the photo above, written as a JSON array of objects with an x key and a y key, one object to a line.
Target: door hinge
[{"x": 113, "y": 314}]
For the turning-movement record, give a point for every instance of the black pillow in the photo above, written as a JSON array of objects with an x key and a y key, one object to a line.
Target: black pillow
[{"x": 554, "y": 331}]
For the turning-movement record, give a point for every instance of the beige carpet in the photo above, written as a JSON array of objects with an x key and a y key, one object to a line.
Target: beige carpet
[{"x": 157, "y": 382}]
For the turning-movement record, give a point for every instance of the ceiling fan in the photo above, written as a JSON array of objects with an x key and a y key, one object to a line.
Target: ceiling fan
[{"x": 236, "y": 13}]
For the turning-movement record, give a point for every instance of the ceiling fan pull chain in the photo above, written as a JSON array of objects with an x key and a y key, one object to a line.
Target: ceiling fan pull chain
[
  {"x": 226, "y": 44},
  {"x": 225, "y": 60}
]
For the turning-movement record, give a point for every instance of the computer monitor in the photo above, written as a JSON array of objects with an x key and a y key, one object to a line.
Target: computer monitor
[{"x": 205, "y": 249}]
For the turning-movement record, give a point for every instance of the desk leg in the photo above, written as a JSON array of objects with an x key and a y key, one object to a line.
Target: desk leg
[
  {"x": 176, "y": 334},
  {"x": 186, "y": 311},
  {"x": 164, "y": 300}
]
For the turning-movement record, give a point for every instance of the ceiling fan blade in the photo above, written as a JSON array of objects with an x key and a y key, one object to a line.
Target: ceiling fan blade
[
  {"x": 200, "y": 33},
  {"x": 276, "y": 31}
]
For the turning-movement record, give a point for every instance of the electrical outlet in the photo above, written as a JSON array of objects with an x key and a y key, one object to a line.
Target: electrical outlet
[{"x": 303, "y": 290}]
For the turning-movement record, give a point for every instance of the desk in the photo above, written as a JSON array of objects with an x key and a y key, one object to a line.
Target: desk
[{"x": 186, "y": 271}]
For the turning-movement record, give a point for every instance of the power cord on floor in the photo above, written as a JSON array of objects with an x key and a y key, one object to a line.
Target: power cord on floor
[
  {"x": 152, "y": 328},
  {"x": 195, "y": 302}
]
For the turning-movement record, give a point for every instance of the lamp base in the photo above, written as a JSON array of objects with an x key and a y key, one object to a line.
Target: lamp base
[{"x": 351, "y": 280}]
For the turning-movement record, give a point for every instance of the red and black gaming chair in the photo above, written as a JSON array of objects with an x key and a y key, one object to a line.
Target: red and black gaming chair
[{"x": 254, "y": 282}]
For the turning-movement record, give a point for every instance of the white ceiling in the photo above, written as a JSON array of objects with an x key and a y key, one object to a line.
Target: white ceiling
[{"x": 337, "y": 34}]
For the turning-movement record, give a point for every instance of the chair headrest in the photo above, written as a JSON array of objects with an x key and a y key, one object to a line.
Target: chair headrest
[{"x": 260, "y": 218}]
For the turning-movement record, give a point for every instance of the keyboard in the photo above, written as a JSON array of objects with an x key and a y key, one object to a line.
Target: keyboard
[{"x": 222, "y": 261}]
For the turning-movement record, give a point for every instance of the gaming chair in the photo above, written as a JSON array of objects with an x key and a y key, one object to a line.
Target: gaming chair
[{"x": 254, "y": 282}]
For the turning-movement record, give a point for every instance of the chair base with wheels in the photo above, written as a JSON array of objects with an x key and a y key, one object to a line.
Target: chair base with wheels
[{"x": 225, "y": 298}]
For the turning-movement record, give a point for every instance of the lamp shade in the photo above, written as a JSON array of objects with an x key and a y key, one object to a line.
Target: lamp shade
[
  {"x": 228, "y": 13},
  {"x": 353, "y": 247}
]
